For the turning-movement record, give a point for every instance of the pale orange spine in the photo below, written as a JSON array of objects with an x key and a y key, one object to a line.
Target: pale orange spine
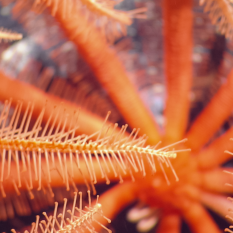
[{"x": 10, "y": 88}]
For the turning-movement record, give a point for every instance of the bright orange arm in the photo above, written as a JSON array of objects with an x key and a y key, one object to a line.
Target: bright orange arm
[
  {"x": 116, "y": 199},
  {"x": 56, "y": 178},
  {"x": 178, "y": 24},
  {"x": 213, "y": 155},
  {"x": 217, "y": 203},
  {"x": 11, "y": 88},
  {"x": 213, "y": 116},
  {"x": 109, "y": 71},
  {"x": 169, "y": 223},
  {"x": 198, "y": 219},
  {"x": 215, "y": 180}
]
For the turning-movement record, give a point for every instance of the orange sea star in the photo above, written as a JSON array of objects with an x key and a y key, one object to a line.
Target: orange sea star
[{"x": 200, "y": 178}]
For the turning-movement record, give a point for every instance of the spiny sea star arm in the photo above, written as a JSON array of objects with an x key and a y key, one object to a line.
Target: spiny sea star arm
[
  {"x": 80, "y": 176},
  {"x": 198, "y": 219},
  {"x": 52, "y": 164},
  {"x": 10, "y": 88},
  {"x": 169, "y": 223},
  {"x": 110, "y": 73},
  {"x": 213, "y": 155},
  {"x": 213, "y": 116},
  {"x": 178, "y": 24}
]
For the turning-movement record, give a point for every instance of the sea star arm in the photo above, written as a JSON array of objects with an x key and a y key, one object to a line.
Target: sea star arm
[
  {"x": 80, "y": 175},
  {"x": 198, "y": 219},
  {"x": 217, "y": 203},
  {"x": 213, "y": 116},
  {"x": 10, "y": 88},
  {"x": 116, "y": 199},
  {"x": 105, "y": 64},
  {"x": 214, "y": 180},
  {"x": 169, "y": 223},
  {"x": 213, "y": 155},
  {"x": 109, "y": 71},
  {"x": 178, "y": 24}
]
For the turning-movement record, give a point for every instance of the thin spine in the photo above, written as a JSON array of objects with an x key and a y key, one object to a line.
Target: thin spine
[
  {"x": 229, "y": 216},
  {"x": 75, "y": 223},
  {"x": 7, "y": 35},
  {"x": 221, "y": 14},
  {"x": 98, "y": 10},
  {"x": 122, "y": 152}
]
